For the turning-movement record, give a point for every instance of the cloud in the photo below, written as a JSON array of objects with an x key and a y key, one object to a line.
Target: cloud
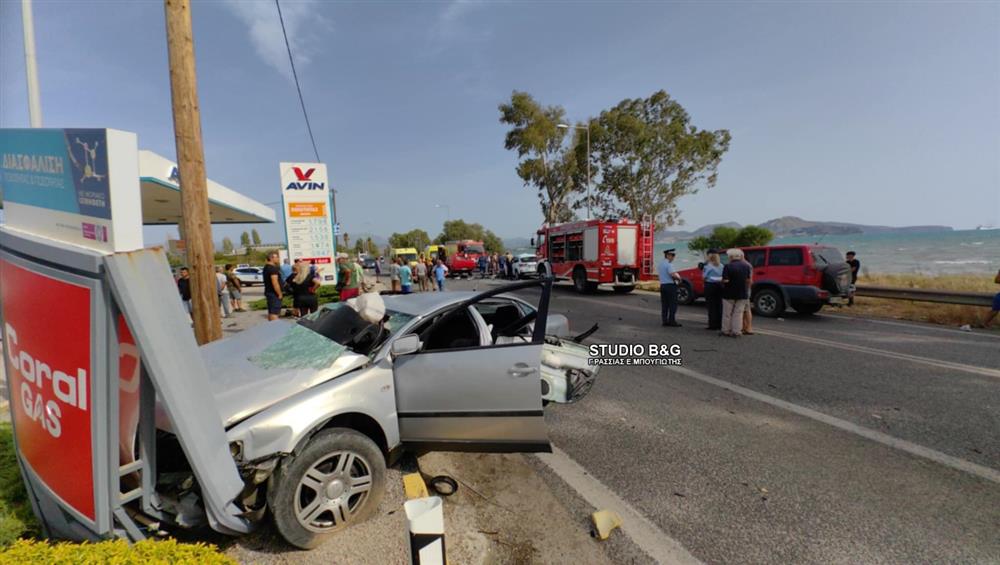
[
  {"x": 450, "y": 25},
  {"x": 304, "y": 24}
]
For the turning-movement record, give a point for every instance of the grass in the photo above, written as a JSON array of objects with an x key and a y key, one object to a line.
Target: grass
[
  {"x": 16, "y": 517},
  {"x": 325, "y": 294},
  {"x": 946, "y": 314}
]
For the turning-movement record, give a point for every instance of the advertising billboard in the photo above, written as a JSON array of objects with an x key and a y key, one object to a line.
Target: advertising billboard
[
  {"x": 305, "y": 194},
  {"x": 49, "y": 371},
  {"x": 79, "y": 186}
]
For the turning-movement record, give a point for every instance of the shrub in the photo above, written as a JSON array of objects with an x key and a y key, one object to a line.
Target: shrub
[
  {"x": 16, "y": 517},
  {"x": 146, "y": 552}
]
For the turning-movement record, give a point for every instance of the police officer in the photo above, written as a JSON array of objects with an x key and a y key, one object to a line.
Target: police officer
[{"x": 668, "y": 289}]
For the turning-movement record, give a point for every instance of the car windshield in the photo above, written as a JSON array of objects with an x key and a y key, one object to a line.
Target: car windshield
[
  {"x": 474, "y": 249},
  {"x": 823, "y": 256},
  {"x": 528, "y": 259},
  {"x": 408, "y": 257}
]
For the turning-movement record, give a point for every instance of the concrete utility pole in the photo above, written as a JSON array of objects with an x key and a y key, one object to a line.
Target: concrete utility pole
[
  {"x": 196, "y": 225},
  {"x": 31, "y": 65}
]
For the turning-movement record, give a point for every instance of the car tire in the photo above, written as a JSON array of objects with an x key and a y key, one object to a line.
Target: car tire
[
  {"x": 580, "y": 280},
  {"x": 768, "y": 302},
  {"x": 341, "y": 469},
  {"x": 542, "y": 270},
  {"x": 624, "y": 289},
  {"x": 685, "y": 294},
  {"x": 808, "y": 309}
]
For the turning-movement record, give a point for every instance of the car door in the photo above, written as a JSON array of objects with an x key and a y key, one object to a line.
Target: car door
[
  {"x": 758, "y": 260},
  {"x": 463, "y": 392}
]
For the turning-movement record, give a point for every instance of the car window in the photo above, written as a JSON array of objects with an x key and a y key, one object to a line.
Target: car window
[
  {"x": 823, "y": 256},
  {"x": 340, "y": 323},
  {"x": 499, "y": 313},
  {"x": 457, "y": 330},
  {"x": 788, "y": 257},
  {"x": 756, "y": 257}
]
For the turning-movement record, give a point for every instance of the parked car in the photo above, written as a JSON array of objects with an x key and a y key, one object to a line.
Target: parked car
[
  {"x": 368, "y": 263},
  {"x": 525, "y": 265},
  {"x": 316, "y": 409},
  {"x": 804, "y": 277},
  {"x": 249, "y": 276}
]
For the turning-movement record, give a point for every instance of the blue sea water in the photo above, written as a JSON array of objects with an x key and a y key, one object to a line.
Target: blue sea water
[{"x": 975, "y": 252}]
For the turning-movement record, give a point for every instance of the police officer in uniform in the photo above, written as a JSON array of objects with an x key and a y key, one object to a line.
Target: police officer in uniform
[{"x": 668, "y": 289}]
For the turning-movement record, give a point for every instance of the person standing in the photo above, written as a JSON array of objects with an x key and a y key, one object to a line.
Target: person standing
[
  {"x": 184, "y": 288},
  {"x": 272, "y": 285},
  {"x": 483, "y": 262},
  {"x": 286, "y": 270},
  {"x": 855, "y": 268},
  {"x": 220, "y": 288},
  {"x": 352, "y": 275},
  {"x": 303, "y": 284},
  {"x": 510, "y": 265},
  {"x": 994, "y": 310},
  {"x": 378, "y": 269},
  {"x": 405, "y": 278},
  {"x": 394, "y": 273},
  {"x": 712, "y": 274},
  {"x": 668, "y": 289},
  {"x": 421, "y": 274},
  {"x": 440, "y": 272},
  {"x": 235, "y": 288},
  {"x": 735, "y": 293},
  {"x": 501, "y": 266}
]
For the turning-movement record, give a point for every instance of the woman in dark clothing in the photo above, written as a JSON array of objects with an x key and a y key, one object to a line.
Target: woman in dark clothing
[
  {"x": 712, "y": 272},
  {"x": 303, "y": 288}
]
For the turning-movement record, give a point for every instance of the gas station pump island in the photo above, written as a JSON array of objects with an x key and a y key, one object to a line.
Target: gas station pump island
[{"x": 84, "y": 382}]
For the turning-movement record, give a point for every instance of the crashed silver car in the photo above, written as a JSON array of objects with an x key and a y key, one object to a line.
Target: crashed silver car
[{"x": 315, "y": 410}]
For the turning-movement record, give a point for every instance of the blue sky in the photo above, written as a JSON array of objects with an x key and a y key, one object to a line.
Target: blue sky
[{"x": 875, "y": 113}]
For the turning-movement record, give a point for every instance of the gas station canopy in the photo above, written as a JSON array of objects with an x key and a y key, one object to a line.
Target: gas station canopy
[{"x": 161, "y": 197}]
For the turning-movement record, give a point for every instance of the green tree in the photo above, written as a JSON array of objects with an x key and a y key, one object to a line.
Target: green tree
[
  {"x": 725, "y": 237},
  {"x": 492, "y": 243},
  {"x": 416, "y": 238},
  {"x": 359, "y": 247},
  {"x": 227, "y": 246},
  {"x": 255, "y": 236},
  {"x": 245, "y": 239},
  {"x": 370, "y": 245},
  {"x": 546, "y": 163},
  {"x": 650, "y": 155}
]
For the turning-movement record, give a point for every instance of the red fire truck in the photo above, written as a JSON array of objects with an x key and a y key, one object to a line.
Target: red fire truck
[
  {"x": 462, "y": 256},
  {"x": 593, "y": 252}
]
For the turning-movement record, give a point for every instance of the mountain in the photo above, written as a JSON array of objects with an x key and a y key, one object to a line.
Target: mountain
[
  {"x": 517, "y": 242},
  {"x": 793, "y": 225}
]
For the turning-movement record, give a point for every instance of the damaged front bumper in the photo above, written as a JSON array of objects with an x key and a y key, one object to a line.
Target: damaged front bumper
[{"x": 567, "y": 375}]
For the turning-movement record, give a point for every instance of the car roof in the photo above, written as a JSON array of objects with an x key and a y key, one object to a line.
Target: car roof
[{"x": 420, "y": 303}]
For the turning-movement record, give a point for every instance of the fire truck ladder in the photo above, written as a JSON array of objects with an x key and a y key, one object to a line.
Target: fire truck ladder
[{"x": 646, "y": 245}]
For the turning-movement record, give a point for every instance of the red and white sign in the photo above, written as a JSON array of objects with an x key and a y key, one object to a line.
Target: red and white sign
[
  {"x": 305, "y": 192},
  {"x": 48, "y": 361}
]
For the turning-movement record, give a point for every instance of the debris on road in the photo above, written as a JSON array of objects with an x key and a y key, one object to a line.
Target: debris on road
[
  {"x": 605, "y": 521},
  {"x": 414, "y": 486}
]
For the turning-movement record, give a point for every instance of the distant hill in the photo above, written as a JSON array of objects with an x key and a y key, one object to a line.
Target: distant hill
[{"x": 793, "y": 225}]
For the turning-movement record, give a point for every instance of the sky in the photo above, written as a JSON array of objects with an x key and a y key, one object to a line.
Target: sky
[{"x": 879, "y": 113}]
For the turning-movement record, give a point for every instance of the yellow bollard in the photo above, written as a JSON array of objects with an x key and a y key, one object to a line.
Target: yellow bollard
[{"x": 604, "y": 522}]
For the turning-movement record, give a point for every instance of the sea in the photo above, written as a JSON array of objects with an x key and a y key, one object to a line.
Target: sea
[{"x": 973, "y": 252}]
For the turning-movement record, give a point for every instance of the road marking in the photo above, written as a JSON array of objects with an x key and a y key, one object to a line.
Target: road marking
[
  {"x": 913, "y": 449},
  {"x": 995, "y": 373},
  {"x": 651, "y": 539},
  {"x": 860, "y": 320}
]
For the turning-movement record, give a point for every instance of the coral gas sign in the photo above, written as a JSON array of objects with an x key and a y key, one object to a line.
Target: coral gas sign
[{"x": 49, "y": 371}]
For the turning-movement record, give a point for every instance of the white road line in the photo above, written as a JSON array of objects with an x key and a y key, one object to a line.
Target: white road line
[
  {"x": 913, "y": 449},
  {"x": 916, "y": 326},
  {"x": 651, "y": 539},
  {"x": 995, "y": 373}
]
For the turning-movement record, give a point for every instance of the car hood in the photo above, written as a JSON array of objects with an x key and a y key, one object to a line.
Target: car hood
[{"x": 266, "y": 364}]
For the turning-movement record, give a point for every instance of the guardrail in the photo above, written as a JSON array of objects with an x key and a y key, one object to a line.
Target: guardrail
[{"x": 920, "y": 295}]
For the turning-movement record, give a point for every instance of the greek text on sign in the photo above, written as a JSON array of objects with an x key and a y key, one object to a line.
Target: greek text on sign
[{"x": 308, "y": 210}]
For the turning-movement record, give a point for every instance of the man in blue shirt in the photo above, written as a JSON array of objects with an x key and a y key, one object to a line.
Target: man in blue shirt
[{"x": 668, "y": 289}]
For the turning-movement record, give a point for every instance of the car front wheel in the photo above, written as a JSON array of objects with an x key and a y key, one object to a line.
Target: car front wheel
[{"x": 336, "y": 481}]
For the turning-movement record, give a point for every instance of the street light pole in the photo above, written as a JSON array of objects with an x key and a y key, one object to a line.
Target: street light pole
[{"x": 567, "y": 126}]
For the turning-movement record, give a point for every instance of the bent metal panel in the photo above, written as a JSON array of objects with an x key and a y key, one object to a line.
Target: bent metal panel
[{"x": 305, "y": 194}]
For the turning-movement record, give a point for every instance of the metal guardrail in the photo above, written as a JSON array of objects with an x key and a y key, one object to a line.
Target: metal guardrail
[{"x": 920, "y": 295}]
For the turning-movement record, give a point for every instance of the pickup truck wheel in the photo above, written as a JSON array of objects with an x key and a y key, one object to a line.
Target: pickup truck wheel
[
  {"x": 336, "y": 481},
  {"x": 580, "y": 280},
  {"x": 684, "y": 294},
  {"x": 769, "y": 303}
]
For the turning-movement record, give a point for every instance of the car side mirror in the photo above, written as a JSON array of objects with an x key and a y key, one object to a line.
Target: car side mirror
[
  {"x": 701, "y": 265},
  {"x": 532, "y": 242},
  {"x": 406, "y": 345}
]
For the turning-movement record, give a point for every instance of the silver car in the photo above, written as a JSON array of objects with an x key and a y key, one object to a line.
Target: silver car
[{"x": 316, "y": 410}]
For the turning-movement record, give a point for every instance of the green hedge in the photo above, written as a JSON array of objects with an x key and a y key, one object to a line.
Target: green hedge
[
  {"x": 147, "y": 552},
  {"x": 325, "y": 294},
  {"x": 16, "y": 517}
]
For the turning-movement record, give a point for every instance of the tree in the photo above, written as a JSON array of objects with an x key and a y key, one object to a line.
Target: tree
[
  {"x": 255, "y": 236},
  {"x": 459, "y": 229},
  {"x": 492, "y": 243},
  {"x": 725, "y": 237},
  {"x": 649, "y": 156},
  {"x": 359, "y": 247},
  {"x": 369, "y": 245},
  {"x": 416, "y": 238},
  {"x": 245, "y": 239},
  {"x": 546, "y": 164},
  {"x": 227, "y": 246}
]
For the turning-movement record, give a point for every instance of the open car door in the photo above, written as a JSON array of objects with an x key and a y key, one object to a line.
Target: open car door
[{"x": 462, "y": 391}]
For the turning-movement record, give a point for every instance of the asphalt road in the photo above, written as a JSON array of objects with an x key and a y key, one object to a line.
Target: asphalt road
[{"x": 821, "y": 439}]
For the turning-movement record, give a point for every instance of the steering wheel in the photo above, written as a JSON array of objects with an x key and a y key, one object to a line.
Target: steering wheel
[{"x": 510, "y": 329}]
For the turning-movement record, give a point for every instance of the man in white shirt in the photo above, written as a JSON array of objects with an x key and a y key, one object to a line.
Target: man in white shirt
[
  {"x": 668, "y": 289},
  {"x": 220, "y": 288}
]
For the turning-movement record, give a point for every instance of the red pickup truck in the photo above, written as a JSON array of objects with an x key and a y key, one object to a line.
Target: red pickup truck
[{"x": 804, "y": 277}]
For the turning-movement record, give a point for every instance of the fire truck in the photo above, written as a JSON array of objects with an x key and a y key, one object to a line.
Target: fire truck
[
  {"x": 594, "y": 252},
  {"x": 462, "y": 256}
]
